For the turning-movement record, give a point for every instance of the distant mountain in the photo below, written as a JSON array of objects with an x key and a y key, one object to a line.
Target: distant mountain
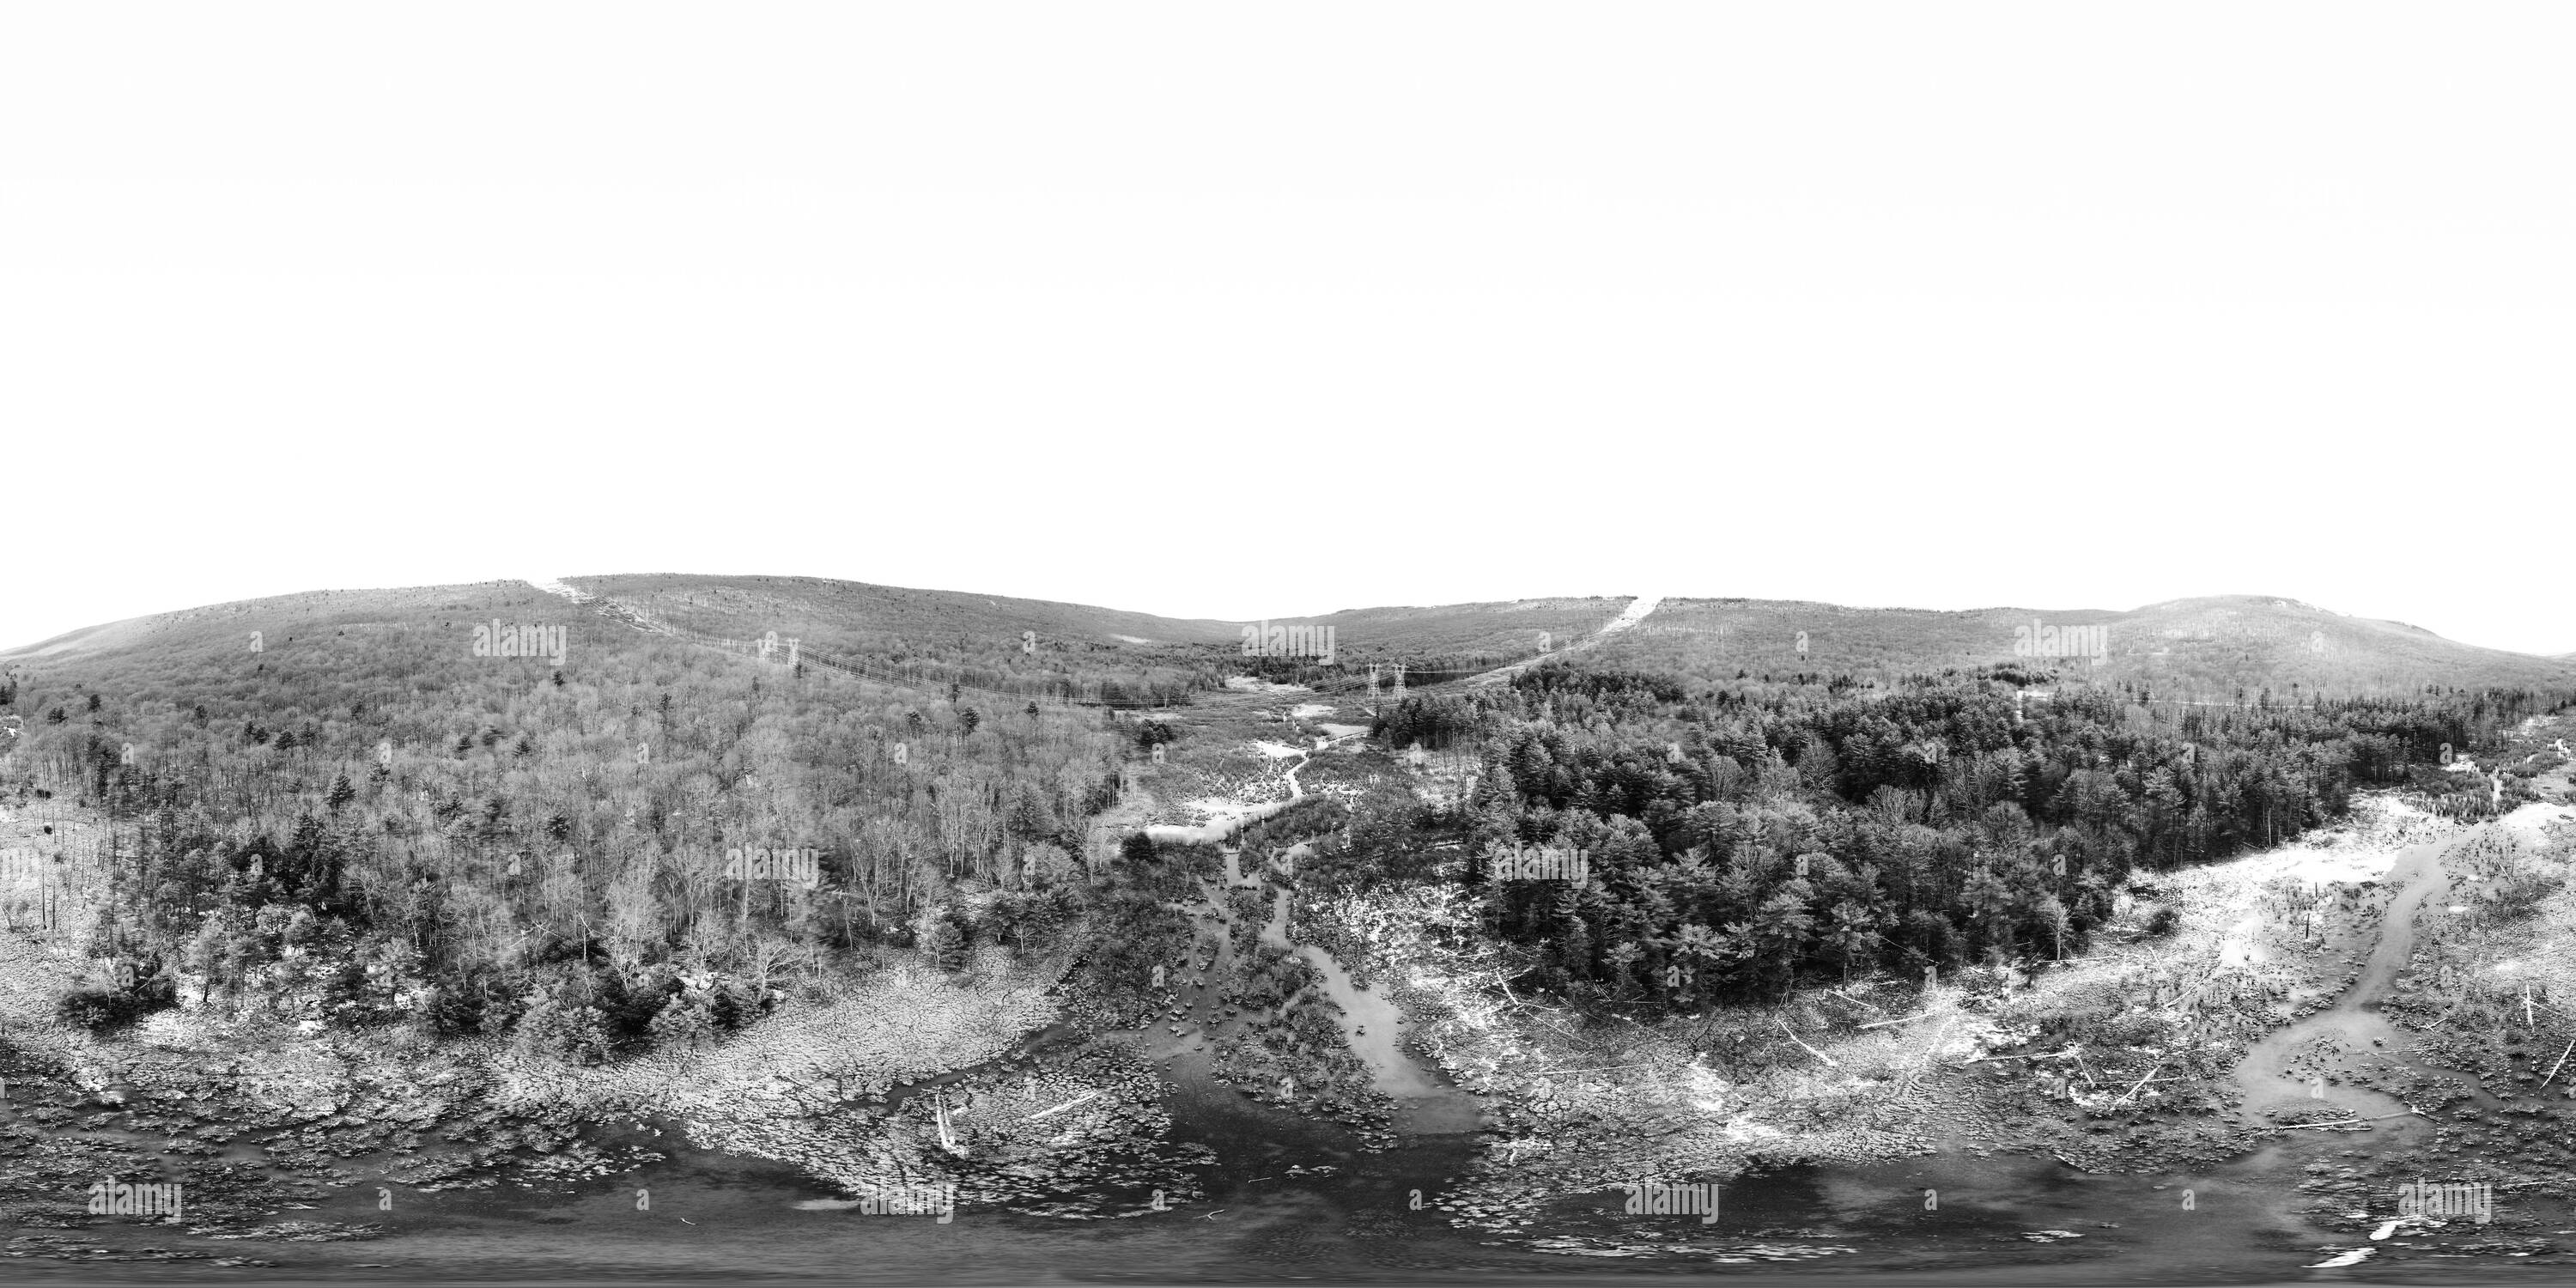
[
  {"x": 230, "y": 625},
  {"x": 788, "y": 603},
  {"x": 2205, "y": 647},
  {"x": 1505, "y": 629}
]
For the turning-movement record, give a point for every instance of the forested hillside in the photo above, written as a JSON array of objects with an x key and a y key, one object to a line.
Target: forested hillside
[
  {"x": 2222, "y": 648},
  {"x": 364, "y": 818},
  {"x": 357, "y": 806},
  {"x": 1024, "y": 649},
  {"x": 1743, "y": 836}
]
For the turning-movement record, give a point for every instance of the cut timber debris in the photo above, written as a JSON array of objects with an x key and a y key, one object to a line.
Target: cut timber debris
[
  {"x": 1906, "y": 1019},
  {"x": 2085, "y": 1069},
  {"x": 1784, "y": 1027},
  {"x": 2553, "y": 1069},
  {"x": 2142, "y": 1083},
  {"x": 2045, "y": 1055},
  {"x": 1065, "y": 1106},
  {"x": 1599, "y": 1068}
]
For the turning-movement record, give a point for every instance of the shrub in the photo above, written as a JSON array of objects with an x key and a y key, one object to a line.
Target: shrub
[
  {"x": 556, "y": 1025},
  {"x": 1046, "y": 861},
  {"x": 453, "y": 1009},
  {"x": 684, "y": 1023},
  {"x": 1137, "y": 933},
  {"x": 99, "y": 1009},
  {"x": 96, "y": 1009},
  {"x": 943, "y": 939},
  {"x": 2517, "y": 890}
]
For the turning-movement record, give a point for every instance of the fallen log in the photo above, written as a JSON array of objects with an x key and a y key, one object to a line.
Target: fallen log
[
  {"x": 2553, "y": 1069},
  {"x": 2089, "y": 1079},
  {"x": 2140, "y": 1086},
  {"x": 2044, "y": 1055},
  {"x": 1830, "y": 1063},
  {"x": 1603, "y": 1068},
  {"x": 1066, "y": 1105}
]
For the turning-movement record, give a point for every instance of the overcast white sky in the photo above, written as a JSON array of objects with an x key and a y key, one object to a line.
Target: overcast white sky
[{"x": 1221, "y": 311}]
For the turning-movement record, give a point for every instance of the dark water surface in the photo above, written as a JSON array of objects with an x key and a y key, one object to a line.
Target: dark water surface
[{"x": 717, "y": 1218}]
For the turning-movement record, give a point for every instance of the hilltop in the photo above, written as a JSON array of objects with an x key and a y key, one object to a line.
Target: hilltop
[
  {"x": 2205, "y": 648},
  {"x": 2201, "y": 648}
]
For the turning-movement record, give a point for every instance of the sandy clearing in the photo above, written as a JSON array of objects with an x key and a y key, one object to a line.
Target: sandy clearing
[
  {"x": 1634, "y": 613},
  {"x": 2311, "y": 864},
  {"x": 2535, "y": 817},
  {"x": 2212, "y": 900},
  {"x": 1252, "y": 684},
  {"x": 906, "y": 1023},
  {"x": 2363, "y": 848},
  {"x": 1225, "y": 816}
]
